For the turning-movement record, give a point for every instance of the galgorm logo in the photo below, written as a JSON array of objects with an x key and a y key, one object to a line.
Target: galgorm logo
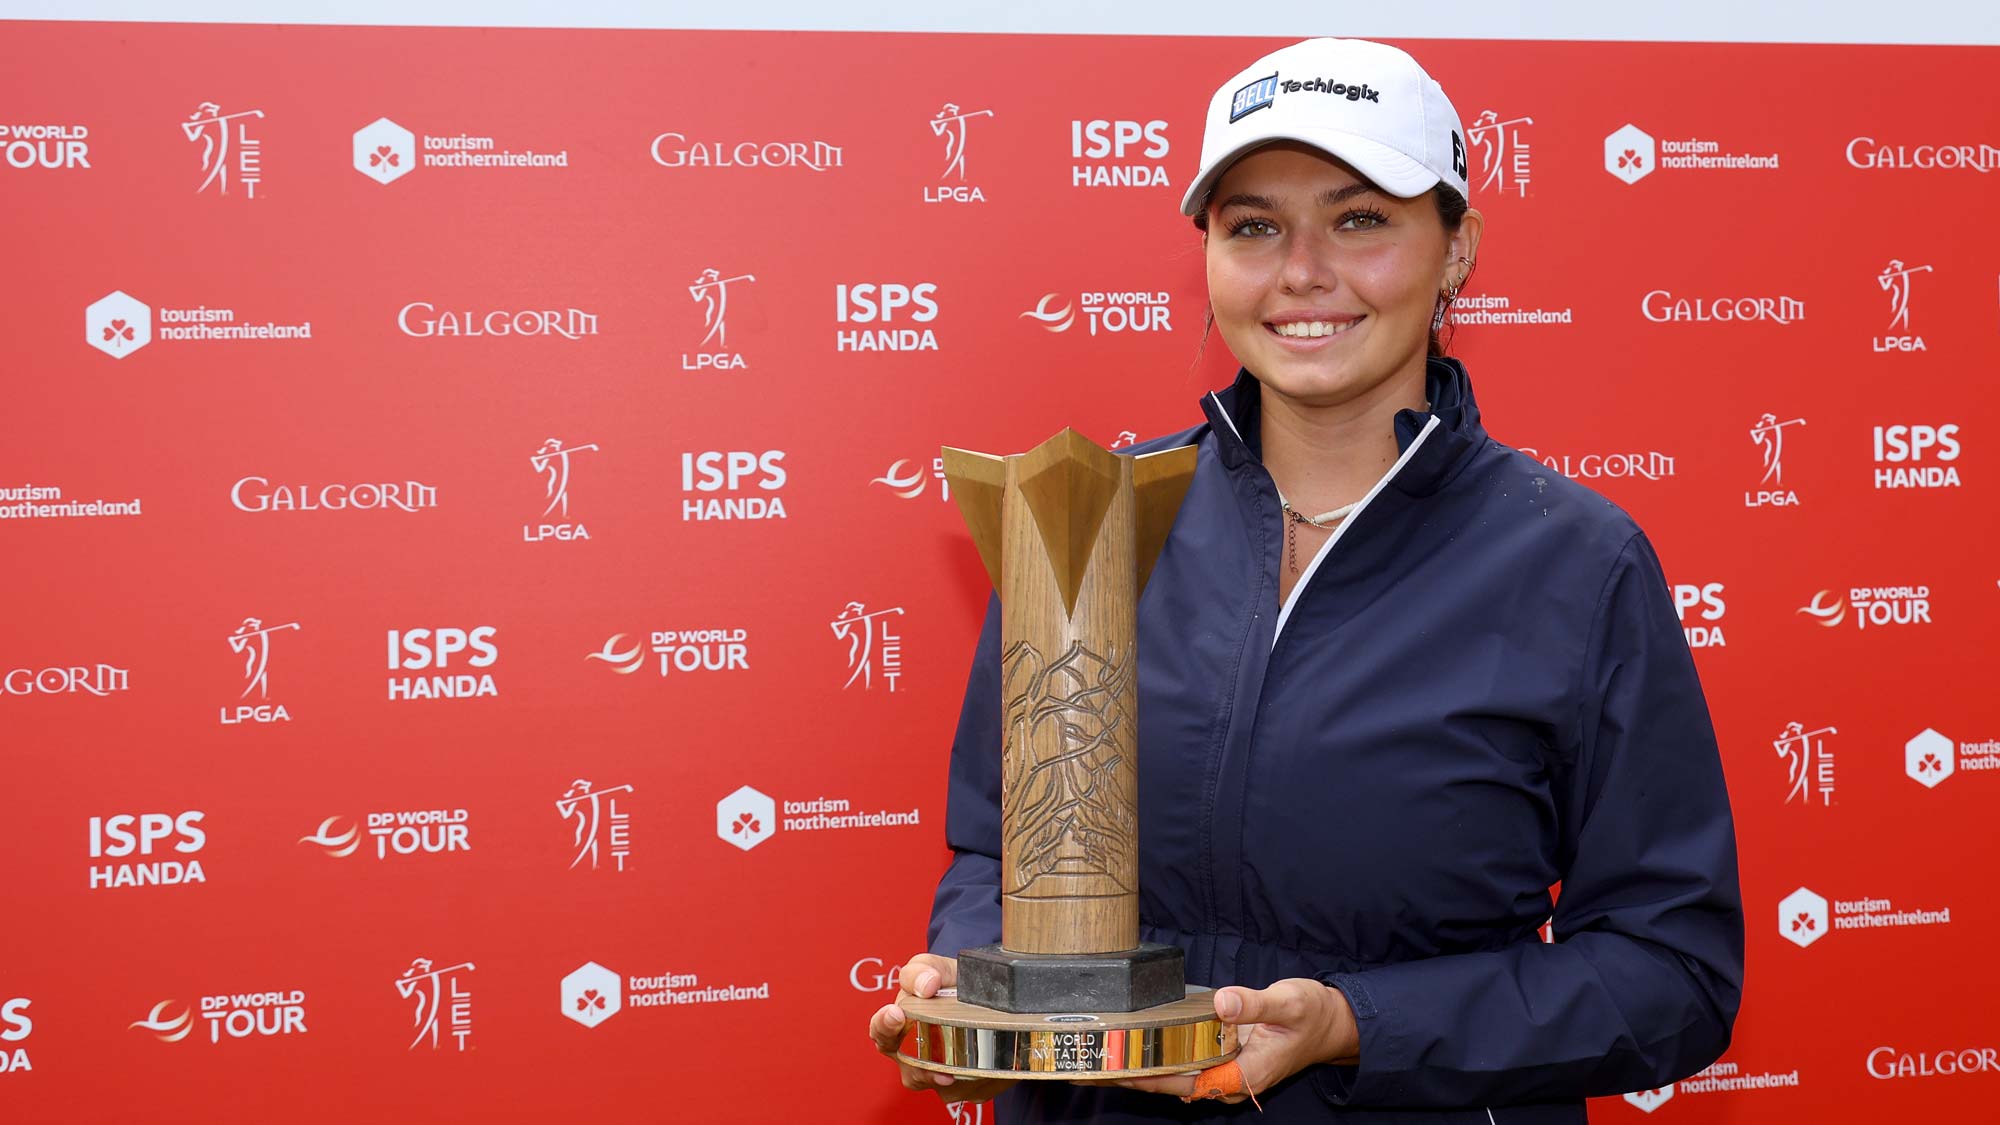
[
  {"x": 675, "y": 150},
  {"x": 258, "y": 494},
  {"x": 1661, "y": 307},
  {"x": 422, "y": 319},
  {"x": 1865, "y": 153},
  {"x": 1891, "y": 1062},
  {"x": 226, "y": 148}
]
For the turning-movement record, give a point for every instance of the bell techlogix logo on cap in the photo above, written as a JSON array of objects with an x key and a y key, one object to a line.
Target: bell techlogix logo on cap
[{"x": 1366, "y": 103}]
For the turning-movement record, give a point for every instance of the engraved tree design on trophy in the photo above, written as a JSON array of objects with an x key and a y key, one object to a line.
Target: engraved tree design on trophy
[{"x": 1068, "y": 795}]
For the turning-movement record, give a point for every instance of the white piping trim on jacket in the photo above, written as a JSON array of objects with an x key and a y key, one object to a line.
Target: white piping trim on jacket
[
  {"x": 1224, "y": 411},
  {"x": 1298, "y": 587}
]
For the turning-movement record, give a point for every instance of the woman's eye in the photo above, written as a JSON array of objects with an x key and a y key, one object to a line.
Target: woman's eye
[
  {"x": 1252, "y": 226},
  {"x": 1368, "y": 219}
]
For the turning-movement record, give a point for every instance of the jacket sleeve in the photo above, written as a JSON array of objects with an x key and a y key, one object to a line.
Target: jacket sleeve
[
  {"x": 1641, "y": 985},
  {"x": 966, "y": 911}
]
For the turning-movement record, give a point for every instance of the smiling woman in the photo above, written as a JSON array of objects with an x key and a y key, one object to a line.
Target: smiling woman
[{"x": 1397, "y": 681}]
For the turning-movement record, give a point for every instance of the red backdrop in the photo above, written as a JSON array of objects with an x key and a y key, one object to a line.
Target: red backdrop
[{"x": 275, "y": 477}]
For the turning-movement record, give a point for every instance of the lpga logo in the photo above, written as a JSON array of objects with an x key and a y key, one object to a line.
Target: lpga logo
[
  {"x": 1769, "y": 435},
  {"x": 209, "y": 125},
  {"x": 552, "y": 461},
  {"x": 951, "y": 125},
  {"x": 1895, "y": 281},
  {"x": 252, "y": 641},
  {"x": 711, "y": 292}
]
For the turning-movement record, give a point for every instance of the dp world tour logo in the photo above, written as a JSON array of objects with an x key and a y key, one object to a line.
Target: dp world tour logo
[
  {"x": 1053, "y": 319},
  {"x": 338, "y": 844},
  {"x": 168, "y": 1029},
  {"x": 950, "y": 124},
  {"x": 118, "y": 324},
  {"x": 384, "y": 151}
]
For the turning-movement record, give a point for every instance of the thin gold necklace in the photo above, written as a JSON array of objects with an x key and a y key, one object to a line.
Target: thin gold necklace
[{"x": 1294, "y": 517}]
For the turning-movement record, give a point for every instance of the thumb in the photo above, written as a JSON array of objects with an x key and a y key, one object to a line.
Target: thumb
[{"x": 1238, "y": 1005}]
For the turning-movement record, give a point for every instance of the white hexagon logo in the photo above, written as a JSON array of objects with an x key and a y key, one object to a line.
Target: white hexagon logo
[
  {"x": 591, "y": 994},
  {"x": 746, "y": 818},
  {"x": 384, "y": 151},
  {"x": 1929, "y": 758},
  {"x": 1802, "y": 918},
  {"x": 1650, "y": 1100},
  {"x": 118, "y": 324},
  {"x": 1628, "y": 154}
]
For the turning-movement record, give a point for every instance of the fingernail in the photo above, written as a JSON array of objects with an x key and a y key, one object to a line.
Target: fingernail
[
  {"x": 895, "y": 1013},
  {"x": 1228, "y": 1005},
  {"x": 945, "y": 1079},
  {"x": 927, "y": 982}
]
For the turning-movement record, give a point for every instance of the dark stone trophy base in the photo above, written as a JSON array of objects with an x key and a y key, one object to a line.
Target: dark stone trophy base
[{"x": 1128, "y": 981}]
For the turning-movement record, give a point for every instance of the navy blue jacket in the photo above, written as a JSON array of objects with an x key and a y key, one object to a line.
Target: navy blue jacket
[{"x": 1479, "y": 689}]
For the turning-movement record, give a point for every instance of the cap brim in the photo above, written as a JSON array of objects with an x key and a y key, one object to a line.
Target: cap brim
[{"x": 1389, "y": 169}]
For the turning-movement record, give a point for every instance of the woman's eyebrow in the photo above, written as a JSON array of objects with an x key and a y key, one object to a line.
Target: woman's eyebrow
[{"x": 1332, "y": 197}]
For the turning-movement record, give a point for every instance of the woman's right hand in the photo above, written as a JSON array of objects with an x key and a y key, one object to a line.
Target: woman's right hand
[{"x": 922, "y": 976}]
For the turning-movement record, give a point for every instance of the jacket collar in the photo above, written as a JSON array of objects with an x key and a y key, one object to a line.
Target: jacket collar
[{"x": 1233, "y": 417}]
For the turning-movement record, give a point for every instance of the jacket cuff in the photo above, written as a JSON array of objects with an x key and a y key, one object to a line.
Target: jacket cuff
[{"x": 1378, "y": 1078}]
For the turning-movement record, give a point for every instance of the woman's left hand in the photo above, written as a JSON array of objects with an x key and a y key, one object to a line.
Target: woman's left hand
[{"x": 1281, "y": 1030}]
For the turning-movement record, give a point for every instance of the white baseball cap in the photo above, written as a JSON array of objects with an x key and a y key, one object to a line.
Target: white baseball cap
[{"x": 1369, "y": 104}]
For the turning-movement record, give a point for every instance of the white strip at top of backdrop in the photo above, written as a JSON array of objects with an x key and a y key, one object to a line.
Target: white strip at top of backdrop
[{"x": 1798, "y": 21}]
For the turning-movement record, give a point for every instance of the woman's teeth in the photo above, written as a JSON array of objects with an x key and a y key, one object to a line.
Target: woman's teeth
[{"x": 1314, "y": 327}]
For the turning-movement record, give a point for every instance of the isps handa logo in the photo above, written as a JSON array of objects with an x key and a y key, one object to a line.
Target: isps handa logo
[
  {"x": 236, "y": 1015},
  {"x": 15, "y": 1027}
]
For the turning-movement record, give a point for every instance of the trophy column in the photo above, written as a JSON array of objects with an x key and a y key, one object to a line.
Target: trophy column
[{"x": 1068, "y": 533}]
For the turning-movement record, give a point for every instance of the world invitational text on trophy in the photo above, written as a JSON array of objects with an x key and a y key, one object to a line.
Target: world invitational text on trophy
[{"x": 1069, "y": 532}]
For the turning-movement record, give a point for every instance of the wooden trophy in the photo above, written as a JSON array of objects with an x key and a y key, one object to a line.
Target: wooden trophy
[{"x": 1069, "y": 532}]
